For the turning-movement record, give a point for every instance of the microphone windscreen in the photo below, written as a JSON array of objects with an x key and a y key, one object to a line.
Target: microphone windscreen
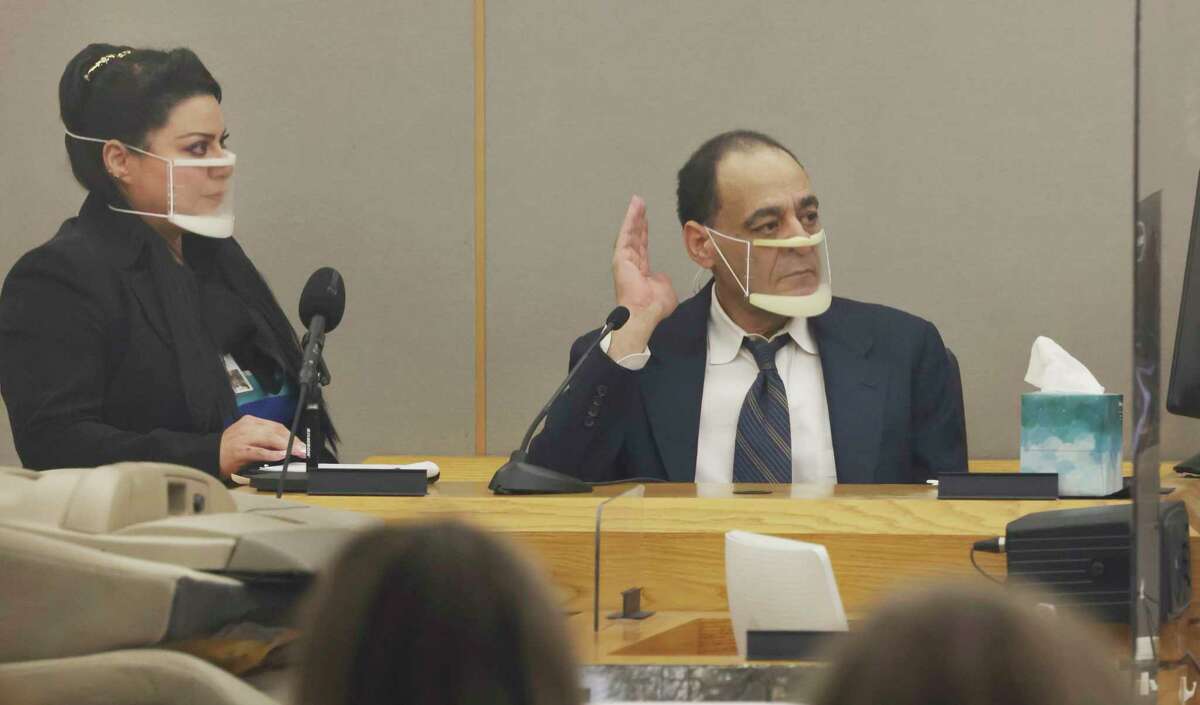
[
  {"x": 323, "y": 295},
  {"x": 617, "y": 318}
]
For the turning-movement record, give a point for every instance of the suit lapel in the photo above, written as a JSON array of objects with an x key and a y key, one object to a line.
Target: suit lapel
[
  {"x": 120, "y": 241},
  {"x": 673, "y": 384},
  {"x": 855, "y": 389},
  {"x": 141, "y": 281}
]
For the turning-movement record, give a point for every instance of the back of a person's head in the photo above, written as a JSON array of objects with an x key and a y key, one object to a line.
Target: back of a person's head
[
  {"x": 436, "y": 614},
  {"x": 972, "y": 645}
]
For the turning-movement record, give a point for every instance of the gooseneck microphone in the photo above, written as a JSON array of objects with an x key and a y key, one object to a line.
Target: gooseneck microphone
[
  {"x": 322, "y": 304},
  {"x": 615, "y": 320},
  {"x": 520, "y": 477}
]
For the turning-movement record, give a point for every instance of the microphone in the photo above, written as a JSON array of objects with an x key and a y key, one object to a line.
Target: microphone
[
  {"x": 519, "y": 477},
  {"x": 322, "y": 304},
  {"x": 618, "y": 317},
  {"x": 323, "y": 376}
]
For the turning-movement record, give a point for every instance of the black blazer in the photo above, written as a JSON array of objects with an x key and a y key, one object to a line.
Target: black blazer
[
  {"x": 893, "y": 409},
  {"x": 88, "y": 367}
]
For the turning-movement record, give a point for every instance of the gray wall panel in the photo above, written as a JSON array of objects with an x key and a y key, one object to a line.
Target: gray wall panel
[
  {"x": 353, "y": 125},
  {"x": 973, "y": 162}
]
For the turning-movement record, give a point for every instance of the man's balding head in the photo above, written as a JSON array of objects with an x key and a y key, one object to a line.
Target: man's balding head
[{"x": 697, "y": 195}]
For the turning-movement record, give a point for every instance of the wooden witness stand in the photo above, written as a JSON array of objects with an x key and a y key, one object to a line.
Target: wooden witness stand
[{"x": 879, "y": 537}]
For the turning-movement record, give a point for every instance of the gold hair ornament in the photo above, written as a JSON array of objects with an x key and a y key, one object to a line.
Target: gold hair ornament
[{"x": 104, "y": 60}]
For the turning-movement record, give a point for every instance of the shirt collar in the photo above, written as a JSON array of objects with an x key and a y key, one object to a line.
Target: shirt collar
[{"x": 725, "y": 336}]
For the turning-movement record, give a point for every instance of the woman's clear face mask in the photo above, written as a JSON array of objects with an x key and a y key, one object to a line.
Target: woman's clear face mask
[
  {"x": 199, "y": 191},
  {"x": 808, "y": 284}
]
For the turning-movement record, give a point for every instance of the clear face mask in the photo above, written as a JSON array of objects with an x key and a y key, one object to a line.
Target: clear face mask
[
  {"x": 197, "y": 200},
  {"x": 806, "y": 305}
]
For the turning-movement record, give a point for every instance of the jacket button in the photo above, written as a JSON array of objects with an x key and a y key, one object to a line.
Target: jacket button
[
  {"x": 596, "y": 401},
  {"x": 601, "y": 390},
  {"x": 589, "y": 422},
  {"x": 593, "y": 412}
]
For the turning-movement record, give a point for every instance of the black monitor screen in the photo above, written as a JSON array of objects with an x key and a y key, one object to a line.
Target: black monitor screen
[{"x": 1183, "y": 395}]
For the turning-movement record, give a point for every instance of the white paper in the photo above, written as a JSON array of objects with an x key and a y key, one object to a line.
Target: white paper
[
  {"x": 1053, "y": 369},
  {"x": 780, "y": 584}
]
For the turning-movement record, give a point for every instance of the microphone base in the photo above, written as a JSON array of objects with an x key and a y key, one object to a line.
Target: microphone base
[{"x": 519, "y": 477}]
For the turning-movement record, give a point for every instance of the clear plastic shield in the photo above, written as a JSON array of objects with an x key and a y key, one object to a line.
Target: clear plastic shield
[
  {"x": 620, "y": 525},
  {"x": 202, "y": 195},
  {"x": 1166, "y": 307},
  {"x": 794, "y": 276}
]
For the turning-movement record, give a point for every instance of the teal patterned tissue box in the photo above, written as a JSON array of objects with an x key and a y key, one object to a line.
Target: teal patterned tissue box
[{"x": 1077, "y": 436}]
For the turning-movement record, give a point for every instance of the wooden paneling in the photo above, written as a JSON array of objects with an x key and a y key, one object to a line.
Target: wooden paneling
[{"x": 671, "y": 542}]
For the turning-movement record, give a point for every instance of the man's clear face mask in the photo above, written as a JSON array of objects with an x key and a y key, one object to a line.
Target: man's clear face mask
[
  {"x": 199, "y": 192},
  {"x": 805, "y": 305}
]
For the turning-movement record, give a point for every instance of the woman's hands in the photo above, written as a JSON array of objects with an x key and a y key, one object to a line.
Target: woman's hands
[{"x": 254, "y": 440}]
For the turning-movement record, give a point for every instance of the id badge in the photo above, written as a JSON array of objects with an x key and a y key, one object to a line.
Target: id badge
[{"x": 237, "y": 378}]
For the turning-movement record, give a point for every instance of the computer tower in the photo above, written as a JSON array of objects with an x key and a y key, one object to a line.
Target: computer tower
[{"x": 1083, "y": 557}]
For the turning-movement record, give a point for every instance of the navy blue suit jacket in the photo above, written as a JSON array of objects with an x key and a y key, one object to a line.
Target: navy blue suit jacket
[{"x": 895, "y": 411}]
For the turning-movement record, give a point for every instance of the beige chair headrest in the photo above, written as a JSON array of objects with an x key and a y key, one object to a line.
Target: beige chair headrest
[
  {"x": 136, "y": 677},
  {"x": 59, "y": 599}
]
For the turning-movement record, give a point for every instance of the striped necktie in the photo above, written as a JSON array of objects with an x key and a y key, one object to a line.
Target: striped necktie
[{"x": 763, "y": 449}]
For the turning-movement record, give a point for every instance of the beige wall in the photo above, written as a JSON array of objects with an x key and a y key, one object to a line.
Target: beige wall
[
  {"x": 349, "y": 155},
  {"x": 973, "y": 162},
  {"x": 972, "y": 167}
]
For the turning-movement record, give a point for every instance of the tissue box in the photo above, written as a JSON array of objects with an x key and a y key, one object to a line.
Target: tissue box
[{"x": 1077, "y": 436}]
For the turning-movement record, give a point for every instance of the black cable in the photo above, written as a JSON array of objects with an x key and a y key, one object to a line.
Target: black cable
[
  {"x": 651, "y": 480},
  {"x": 287, "y": 455},
  {"x": 1189, "y": 660},
  {"x": 981, "y": 571}
]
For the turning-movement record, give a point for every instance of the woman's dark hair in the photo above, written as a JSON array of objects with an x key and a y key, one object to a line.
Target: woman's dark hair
[
  {"x": 123, "y": 98},
  {"x": 696, "y": 194},
  {"x": 439, "y": 614},
  {"x": 972, "y": 645}
]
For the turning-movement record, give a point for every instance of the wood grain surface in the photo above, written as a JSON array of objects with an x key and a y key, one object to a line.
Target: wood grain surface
[{"x": 670, "y": 542}]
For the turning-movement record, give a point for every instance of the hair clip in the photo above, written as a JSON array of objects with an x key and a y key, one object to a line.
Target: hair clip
[{"x": 104, "y": 60}]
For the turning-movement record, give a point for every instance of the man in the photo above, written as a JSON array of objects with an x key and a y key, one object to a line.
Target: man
[{"x": 763, "y": 376}]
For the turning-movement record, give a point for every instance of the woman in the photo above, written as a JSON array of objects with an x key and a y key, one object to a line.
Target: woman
[
  {"x": 141, "y": 331},
  {"x": 437, "y": 614},
  {"x": 972, "y": 645}
]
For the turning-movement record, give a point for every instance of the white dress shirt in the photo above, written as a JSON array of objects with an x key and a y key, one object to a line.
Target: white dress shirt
[{"x": 730, "y": 372}]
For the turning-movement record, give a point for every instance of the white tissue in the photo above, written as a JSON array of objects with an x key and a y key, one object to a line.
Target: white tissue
[{"x": 1052, "y": 369}]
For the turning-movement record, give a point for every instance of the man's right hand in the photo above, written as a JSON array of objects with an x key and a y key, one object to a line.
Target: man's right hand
[
  {"x": 254, "y": 440},
  {"x": 648, "y": 295}
]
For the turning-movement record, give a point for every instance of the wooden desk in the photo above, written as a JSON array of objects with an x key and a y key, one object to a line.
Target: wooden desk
[
  {"x": 879, "y": 537},
  {"x": 476, "y": 468},
  {"x": 481, "y": 467}
]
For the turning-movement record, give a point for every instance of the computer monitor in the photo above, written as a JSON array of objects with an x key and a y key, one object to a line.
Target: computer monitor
[{"x": 1183, "y": 392}]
